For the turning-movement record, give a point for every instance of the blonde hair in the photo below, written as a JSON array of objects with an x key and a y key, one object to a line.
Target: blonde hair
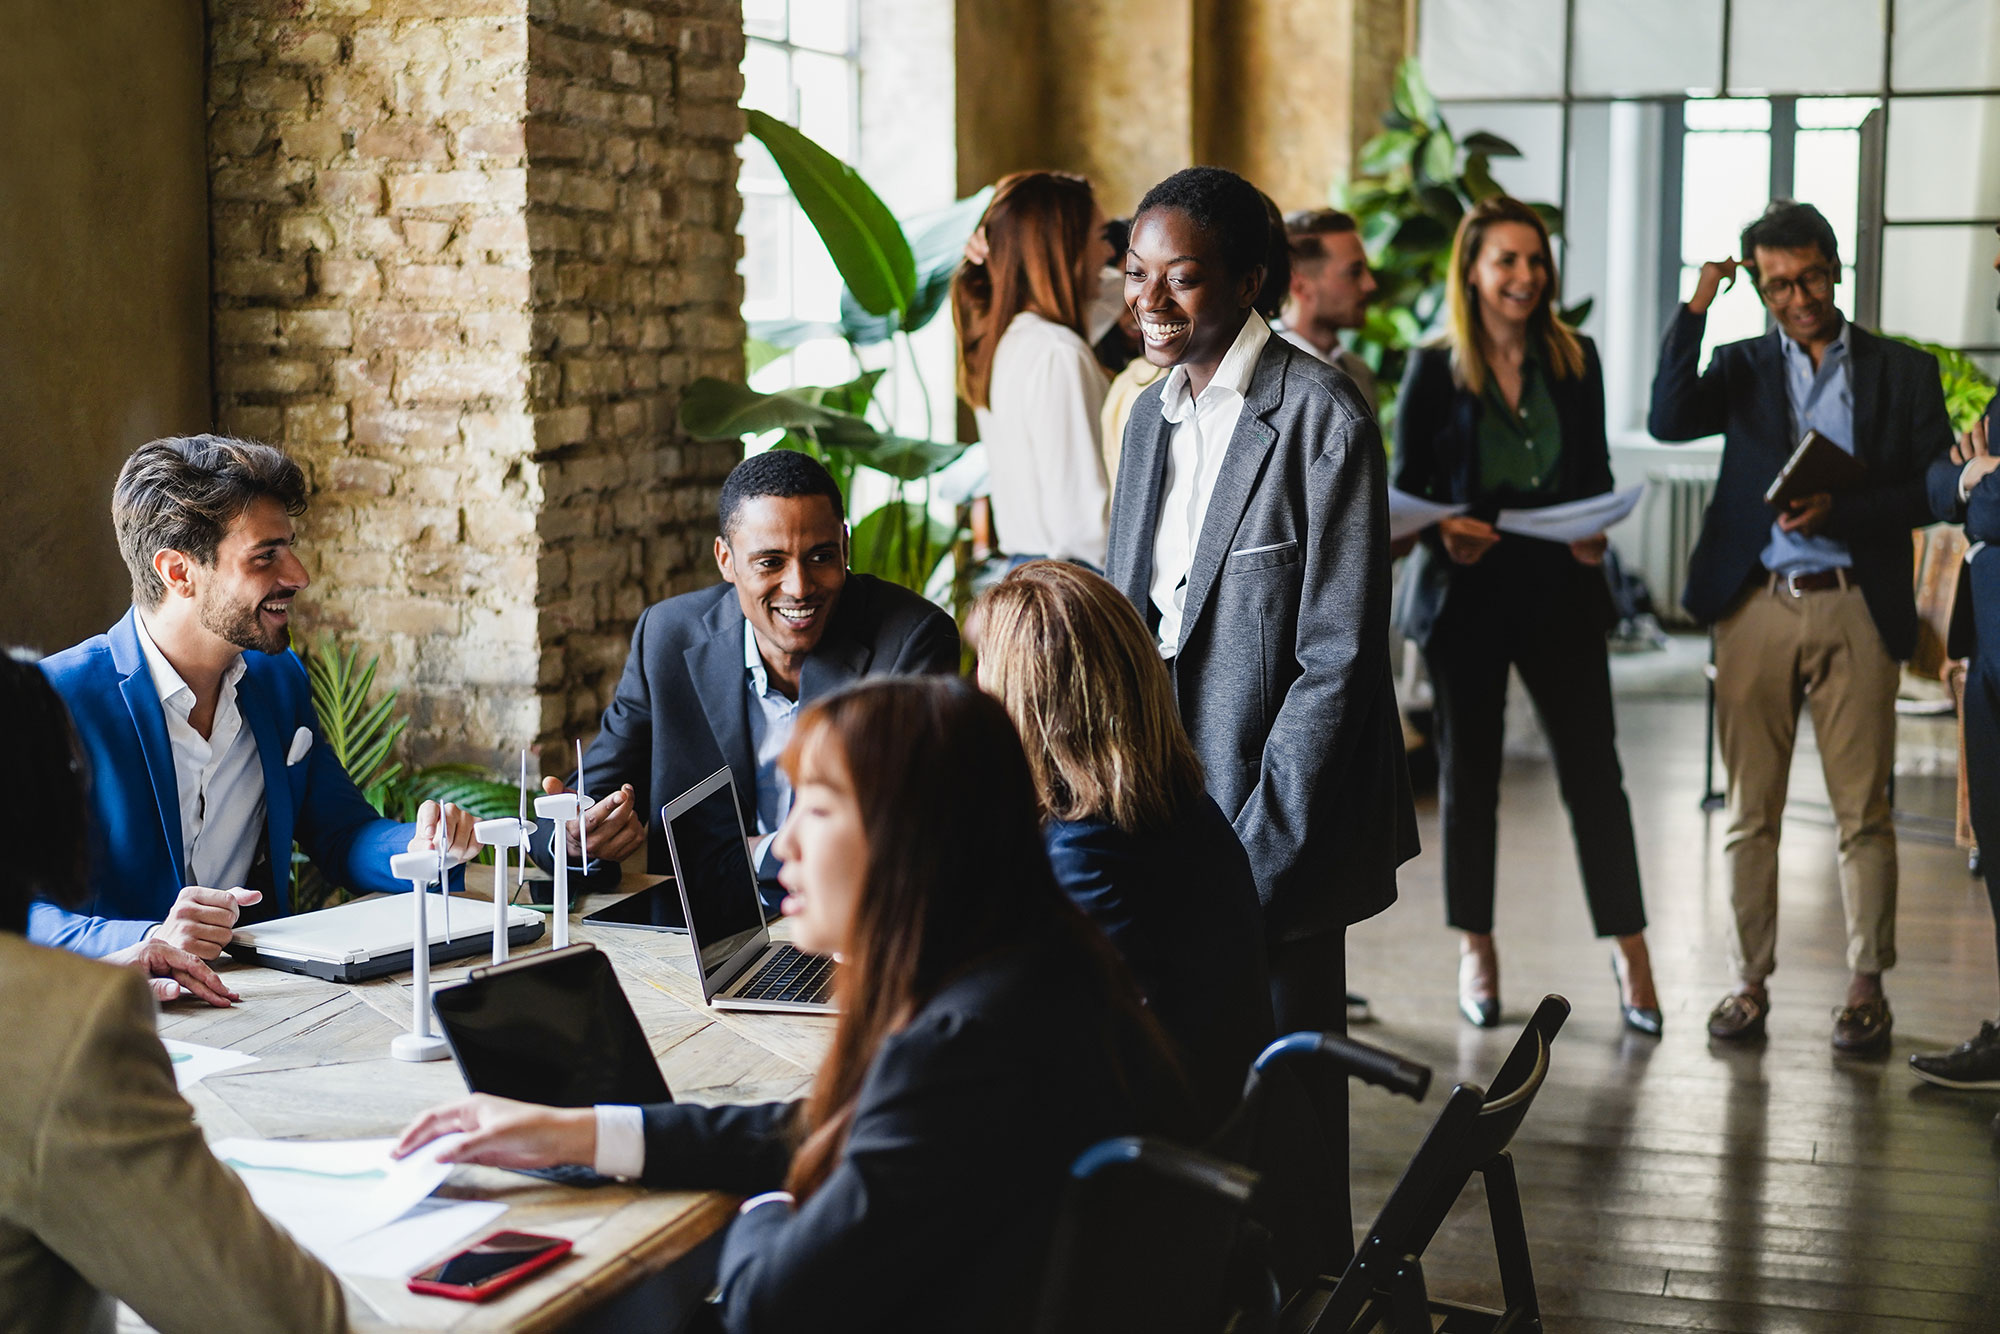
[
  {"x": 1037, "y": 234},
  {"x": 1559, "y": 343},
  {"x": 1069, "y": 658}
]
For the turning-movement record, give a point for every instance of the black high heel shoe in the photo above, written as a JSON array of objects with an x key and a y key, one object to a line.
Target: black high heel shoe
[{"x": 1638, "y": 1018}]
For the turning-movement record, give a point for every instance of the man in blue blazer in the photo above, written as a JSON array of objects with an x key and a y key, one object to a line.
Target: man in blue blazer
[
  {"x": 1812, "y": 604},
  {"x": 206, "y": 760}
]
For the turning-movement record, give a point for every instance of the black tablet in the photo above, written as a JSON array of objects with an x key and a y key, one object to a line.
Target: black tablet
[{"x": 657, "y": 908}]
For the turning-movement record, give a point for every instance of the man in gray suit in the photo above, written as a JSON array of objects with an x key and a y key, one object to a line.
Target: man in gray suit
[{"x": 1250, "y": 526}]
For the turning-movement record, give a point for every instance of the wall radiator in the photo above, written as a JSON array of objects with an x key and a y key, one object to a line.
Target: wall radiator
[{"x": 1677, "y": 500}]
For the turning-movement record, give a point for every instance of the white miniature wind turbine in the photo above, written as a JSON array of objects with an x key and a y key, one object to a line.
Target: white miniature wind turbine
[
  {"x": 502, "y": 834},
  {"x": 421, "y": 869},
  {"x": 562, "y": 807}
]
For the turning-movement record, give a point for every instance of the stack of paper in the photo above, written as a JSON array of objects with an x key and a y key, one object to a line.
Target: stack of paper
[{"x": 194, "y": 1062}]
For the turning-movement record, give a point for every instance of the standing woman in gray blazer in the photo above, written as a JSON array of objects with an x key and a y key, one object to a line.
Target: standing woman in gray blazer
[{"x": 1508, "y": 411}]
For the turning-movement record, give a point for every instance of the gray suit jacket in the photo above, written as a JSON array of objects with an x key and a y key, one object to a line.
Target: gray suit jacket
[{"x": 1283, "y": 673}]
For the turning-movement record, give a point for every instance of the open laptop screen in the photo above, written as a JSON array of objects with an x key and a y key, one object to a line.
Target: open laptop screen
[
  {"x": 712, "y": 863},
  {"x": 554, "y": 1029}
]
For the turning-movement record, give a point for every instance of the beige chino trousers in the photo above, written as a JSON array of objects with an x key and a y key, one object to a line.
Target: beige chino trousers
[{"x": 1773, "y": 651}]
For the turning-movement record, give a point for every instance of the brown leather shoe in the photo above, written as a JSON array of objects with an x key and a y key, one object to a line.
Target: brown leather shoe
[
  {"x": 1739, "y": 1016},
  {"x": 1864, "y": 1027}
]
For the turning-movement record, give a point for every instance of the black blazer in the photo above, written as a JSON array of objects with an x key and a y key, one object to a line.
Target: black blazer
[
  {"x": 1900, "y": 429},
  {"x": 1437, "y": 458},
  {"x": 1980, "y": 581},
  {"x": 1180, "y": 905},
  {"x": 939, "y": 1213},
  {"x": 679, "y": 713}
]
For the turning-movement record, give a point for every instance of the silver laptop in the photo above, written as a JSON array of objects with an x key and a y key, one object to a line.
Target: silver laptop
[{"x": 741, "y": 967}]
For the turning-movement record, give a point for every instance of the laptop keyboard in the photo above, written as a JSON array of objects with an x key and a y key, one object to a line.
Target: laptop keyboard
[{"x": 789, "y": 975}]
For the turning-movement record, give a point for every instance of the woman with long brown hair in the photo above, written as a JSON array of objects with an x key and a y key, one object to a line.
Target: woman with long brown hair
[
  {"x": 987, "y": 1034},
  {"x": 1135, "y": 840},
  {"x": 1507, "y": 410},
  {"x": 1026, "y": 370}
]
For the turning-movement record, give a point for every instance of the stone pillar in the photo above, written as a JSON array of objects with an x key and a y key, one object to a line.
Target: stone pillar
[{"x": 460, "y": 274}]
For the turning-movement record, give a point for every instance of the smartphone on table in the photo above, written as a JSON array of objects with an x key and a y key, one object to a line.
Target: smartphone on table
[{"x": 490, "y": 1265}]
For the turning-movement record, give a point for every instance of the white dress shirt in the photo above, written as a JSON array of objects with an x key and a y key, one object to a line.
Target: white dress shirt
[
  {"x": 220, "y": 778},
  {"x": 1045, "y": 466},
  {"x": 1202, "y": 429},
  {"x": 1341, "y": 359},
  {"x": 772, "y": 718}
]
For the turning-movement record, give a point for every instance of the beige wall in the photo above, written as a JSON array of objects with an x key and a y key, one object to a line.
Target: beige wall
[{"x": 103, "y": 288}]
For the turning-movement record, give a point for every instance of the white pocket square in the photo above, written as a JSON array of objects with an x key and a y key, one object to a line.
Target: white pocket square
[{"x": 302, "y": 742}]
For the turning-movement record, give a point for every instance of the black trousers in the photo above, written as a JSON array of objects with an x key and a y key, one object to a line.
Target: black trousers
[
  {"x": 1982, "y": 725},
  {"x": 1309, "y": 994},
  {"x": 1534, "y": 609}
]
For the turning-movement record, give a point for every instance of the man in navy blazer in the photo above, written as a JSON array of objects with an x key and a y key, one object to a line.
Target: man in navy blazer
[
  {"x": 1814, "y": 603},
  {"x": 205, "y": 754},
  {"x": 718, "y": 676}
]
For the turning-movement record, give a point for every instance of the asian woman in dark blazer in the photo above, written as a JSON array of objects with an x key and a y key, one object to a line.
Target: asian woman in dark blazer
[
  {"x": 987, "y": 1035},
  {"x": 1507, "y": 411},
  {"x": 1136, "y": 841}
]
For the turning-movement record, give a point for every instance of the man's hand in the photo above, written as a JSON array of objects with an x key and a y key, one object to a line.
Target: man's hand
[
  {"x": 1590, "y": 550},
  {"x": 173, "y": 973},
  {"x": 461, "y": 844},
  {"x": 202, "y": 920},
  {"x": 1974, "y": 451},
  {"x": 1807, "y": 515},
  {"x": 1465, "y": 539},
  {"x": 502, "y": 1133},
  {"x": 1718, "y": 275},
  {"x": 616, "y": 831}
]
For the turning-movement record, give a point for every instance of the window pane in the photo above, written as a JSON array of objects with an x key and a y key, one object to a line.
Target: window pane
[
  {"x": 764, "y": 18},
  {"x": 1946, "y": 44},
  {"x": 1806, "y": 46},
  {"x": 767, "y": 79},
  {"x": 1834, "y": 113},
  {"x": 1476, "y": 48},
  {"x": 1736, "y": 314},
  {"x": 826, "y": 101},
  {"x": 1633, "y": 47},
  {"x": 1728, "y": 113},
  {"x": 1725, "y": 183},
  {"x": 1938, "y": 284},
  {"x": 766, "y": 266},
  {"x": 1534, "y": 128},
  {"x": 1826, "y": 173},
  {"x": 760, "y": 173},
  {"x": 815, "y": 282},
  {"x": 825, "y": 25},
  {"x": 1944, "y": 157}
]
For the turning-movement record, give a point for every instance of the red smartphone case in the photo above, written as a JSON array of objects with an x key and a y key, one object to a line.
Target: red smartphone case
[{"x": 506, "y": 1278}]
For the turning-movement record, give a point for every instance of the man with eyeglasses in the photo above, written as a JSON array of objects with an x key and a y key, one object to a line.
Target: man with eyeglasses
[
  {"x": 1962, "y": 491},
  {"x": 1814, "y": 603}
]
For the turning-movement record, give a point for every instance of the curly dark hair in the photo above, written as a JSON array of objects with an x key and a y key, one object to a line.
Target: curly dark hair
[
  {"x": 775, "y": 472},
  {"x": 1230, "y": 209}
]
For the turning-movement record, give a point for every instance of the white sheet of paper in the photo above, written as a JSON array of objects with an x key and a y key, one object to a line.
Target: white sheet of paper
[
  {"x": 431, "y": 1229},
  {"x": 1571, "y": 522},
  {"x": 325, "y": 1192},
  {"x": 1410, "y": 514},
  {"x": 194, "y": 1062}
]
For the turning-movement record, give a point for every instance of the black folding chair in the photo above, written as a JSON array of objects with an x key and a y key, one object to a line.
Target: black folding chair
[
  {"x": 1278, "y": 1131},
  {"x": 1152, "y": 1238},
  {"x": 1384, "y": 1282}
]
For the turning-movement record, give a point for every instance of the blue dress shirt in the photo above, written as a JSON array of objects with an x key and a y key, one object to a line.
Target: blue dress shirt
[{"x": 1822, "y": 399}]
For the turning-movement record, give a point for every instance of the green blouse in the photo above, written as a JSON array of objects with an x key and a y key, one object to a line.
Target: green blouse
[{"x": 1518, "y": 449}]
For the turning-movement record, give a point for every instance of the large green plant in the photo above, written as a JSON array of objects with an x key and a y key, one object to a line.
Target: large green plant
[
  {"x": 1967, "y": 389},
  {"x": 1417, "y": 180},
  {"x": 896, "y": 281},
  {"x": 361, "y": 729}
]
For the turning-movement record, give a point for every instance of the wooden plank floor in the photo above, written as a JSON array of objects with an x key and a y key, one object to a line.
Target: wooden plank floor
[{"x": 1680, "y": 1184}]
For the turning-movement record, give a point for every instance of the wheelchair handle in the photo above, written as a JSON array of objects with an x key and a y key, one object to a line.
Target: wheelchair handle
[{"x": 1372, "y": 1065}]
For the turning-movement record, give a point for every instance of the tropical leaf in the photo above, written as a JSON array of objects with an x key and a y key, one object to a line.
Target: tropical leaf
[
  {"x": 713, "y": 409},
  {"x": 1391, "y": 148},
  {"x": 937, "y": 242},
  {"x": 1479, "y": 182},
  {"x": 1412, "y": 95},
  {"x": 759, "y": 353},
  {"x": 1440, "y": 155},
  {"x": 467, "y": 786},
  {"x": 1967, "y": 388},
  {"x": 900, "y": 541},
  {"x": 867, "y": 245},
  {"x": 1492, "y": 145},
  {"x": 1578, "y": 313},
  {"x": 1552, "y": 217},
  {"x": 905, "y": 458},
  {"x": 788, "y": 334}
]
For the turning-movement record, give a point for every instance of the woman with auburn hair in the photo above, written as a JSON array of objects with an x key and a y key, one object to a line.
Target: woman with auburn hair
[
  {"x": 1135, "y": 839},
  {"x": 987, "y": 1035},
  {"x": 1507, "y": 410},
  {"x": 1025, "y": 366}
]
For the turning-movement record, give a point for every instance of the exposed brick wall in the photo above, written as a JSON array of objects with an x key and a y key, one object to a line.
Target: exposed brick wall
[{"x": 466, "y": 308}]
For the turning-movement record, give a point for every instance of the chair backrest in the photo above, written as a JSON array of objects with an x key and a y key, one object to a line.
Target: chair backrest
[
  {"x": 1279, "y": 1130},
  {"x": 1474, "y": 1126},
  {"x": 1151, "y": 1236}
]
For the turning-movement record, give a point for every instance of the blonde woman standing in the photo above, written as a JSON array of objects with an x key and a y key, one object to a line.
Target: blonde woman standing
[
  {"x": 1135, "y": 840},
  {"x": 1508, "y": 411}
]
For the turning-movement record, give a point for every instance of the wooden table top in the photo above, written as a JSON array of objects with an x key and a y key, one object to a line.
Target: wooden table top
[{"x": 324, "y": 1072}]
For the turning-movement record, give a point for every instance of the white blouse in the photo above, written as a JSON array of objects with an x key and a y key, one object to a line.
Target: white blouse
[{"x": 1044, "y": 461}]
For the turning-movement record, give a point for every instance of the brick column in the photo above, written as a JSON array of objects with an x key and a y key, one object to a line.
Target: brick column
[{"x": 478, "y": 374}]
